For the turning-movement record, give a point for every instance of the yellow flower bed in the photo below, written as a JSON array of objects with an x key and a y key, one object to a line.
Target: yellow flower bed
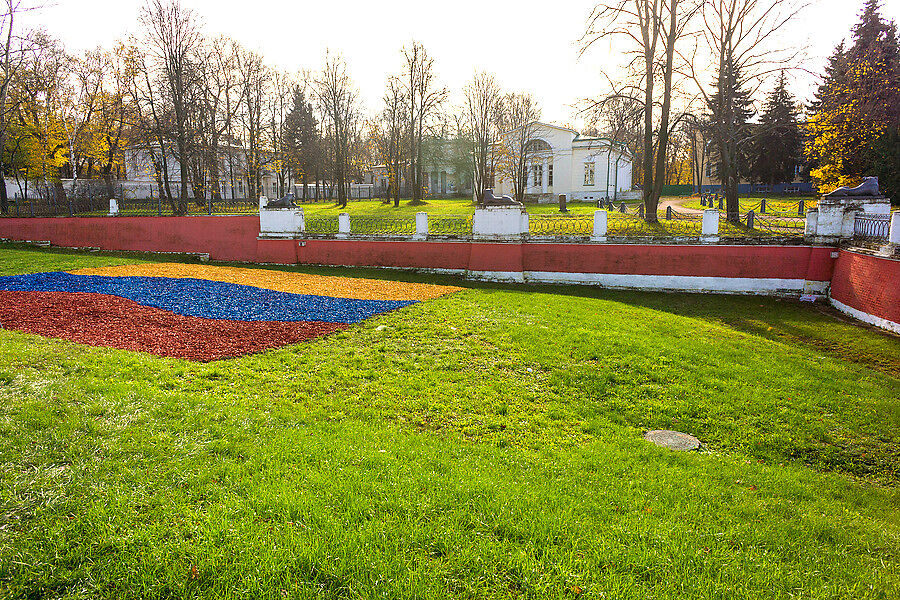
[{"x": 281, "y": 281}]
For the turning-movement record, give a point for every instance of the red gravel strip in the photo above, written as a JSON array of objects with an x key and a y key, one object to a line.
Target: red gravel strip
[{"x": 101, "y": 320}]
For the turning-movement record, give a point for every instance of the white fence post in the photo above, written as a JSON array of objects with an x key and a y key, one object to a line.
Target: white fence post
[
  {"x": 894, "y": 235},
  {"x": 600, "y": 226},
  {"x": 812, "y": 222},
  {"x": 710, "y": 231},
  {"x": 344, "y": 225},
  {"x": 421, "y": 226},
  {"x": 113, "y": 207}
]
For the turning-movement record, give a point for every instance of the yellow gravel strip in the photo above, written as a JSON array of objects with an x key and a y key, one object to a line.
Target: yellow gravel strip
[{"x": 281, "y": 281}]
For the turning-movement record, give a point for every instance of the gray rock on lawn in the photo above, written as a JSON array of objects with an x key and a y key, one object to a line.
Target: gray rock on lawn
[{"x": 673, "y": 440}]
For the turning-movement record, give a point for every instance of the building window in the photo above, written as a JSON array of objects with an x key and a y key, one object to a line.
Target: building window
[
  {"x": 589, "y": 173},
  {"x": 537, "y": 175},
  {"x": 550, "y": 174}
]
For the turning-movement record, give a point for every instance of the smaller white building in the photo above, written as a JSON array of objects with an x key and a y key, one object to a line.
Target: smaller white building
[
  {"x": 141, "y": 182},
  {"x": 562, "y": 161}
]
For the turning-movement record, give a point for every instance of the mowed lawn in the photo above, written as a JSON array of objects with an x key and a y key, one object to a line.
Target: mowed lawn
[
  {"x": 487, "y": 444},
  {"x": 435, "y": 207}
]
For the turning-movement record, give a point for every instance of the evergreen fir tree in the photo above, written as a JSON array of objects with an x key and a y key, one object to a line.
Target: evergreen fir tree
[
  {"x": 778, "y": 145},
  {"x": 730, "y": 109},
  {"x": 300, "y": 138}
]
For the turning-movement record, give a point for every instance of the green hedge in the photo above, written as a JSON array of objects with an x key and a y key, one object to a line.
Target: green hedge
[{"x": 678, "y": 190}]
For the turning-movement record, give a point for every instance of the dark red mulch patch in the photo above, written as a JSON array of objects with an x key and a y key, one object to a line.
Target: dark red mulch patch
[{"x": 101, "y": 320}]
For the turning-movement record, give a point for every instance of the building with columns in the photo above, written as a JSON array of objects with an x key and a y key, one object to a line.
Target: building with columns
[{"x": 562, "y": 161}]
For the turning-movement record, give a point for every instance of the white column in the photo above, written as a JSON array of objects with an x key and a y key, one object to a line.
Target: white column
[
  {"x": 343, "y": 225},
  {"x": 812, "y": 222},
  {"x": 894, "y": 235},
  {"x": 544, "y": 176},
  {"x": 600, "y": 226},
  {"x": 421, "y": 226},
  {"x": 710, "y": 231},
  {"x": 113, "y": 207}
]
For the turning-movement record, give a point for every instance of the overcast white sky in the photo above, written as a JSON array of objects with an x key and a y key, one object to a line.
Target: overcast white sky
[{"x": 462, "y": 35}]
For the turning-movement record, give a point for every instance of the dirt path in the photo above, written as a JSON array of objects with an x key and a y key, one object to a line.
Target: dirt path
[{"x": 678, "y": 205}]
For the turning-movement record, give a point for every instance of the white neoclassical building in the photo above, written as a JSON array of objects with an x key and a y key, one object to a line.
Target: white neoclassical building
[{"x": 562, "y": 161}]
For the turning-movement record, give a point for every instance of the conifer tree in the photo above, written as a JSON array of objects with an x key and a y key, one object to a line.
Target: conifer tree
[
  {"x": 730, "y": 107},
  {"x": 301, "y": 139},
  {"x": 777, "y": 148}
]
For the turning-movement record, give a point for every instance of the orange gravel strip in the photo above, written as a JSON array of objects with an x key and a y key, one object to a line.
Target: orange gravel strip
[{"x": 281, "y": 281}]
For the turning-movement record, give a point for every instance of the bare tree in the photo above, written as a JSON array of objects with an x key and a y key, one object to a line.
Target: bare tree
[
  {"x": 739, "y": 34},
  {"x": 151, "y": 127},
  {"x": 482, "y": 114},
  {"x": 254, "y": 81},
  {"x": 654, "y": 27},
  {"x": 389, "y": 136},
  {"x": 338, "y": 103},
  {"x": 423, "y": 101},
  {"x": 172, "y": 37},
  {"x": 620, "y": 119},
  {"x": 520, "y": 114},
  {"x": 280, "y": 94}
]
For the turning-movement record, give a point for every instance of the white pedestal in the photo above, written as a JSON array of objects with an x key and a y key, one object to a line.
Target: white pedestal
[
  {"x": 500, "y": 222},
  {"x": 837, "y": 216},
  {"x": 281, "y": 222},
  {"x": 709, "y": 232}
]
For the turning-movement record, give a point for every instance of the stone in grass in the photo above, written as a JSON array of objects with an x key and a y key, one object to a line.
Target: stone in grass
[{"x": 673, "y": 440}]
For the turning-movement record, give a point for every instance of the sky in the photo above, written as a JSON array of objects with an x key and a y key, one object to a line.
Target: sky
[{"x": 528, "y": 47}]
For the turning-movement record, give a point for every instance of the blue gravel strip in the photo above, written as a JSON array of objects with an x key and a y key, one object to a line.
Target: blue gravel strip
[{"x": 208, "y": 299}]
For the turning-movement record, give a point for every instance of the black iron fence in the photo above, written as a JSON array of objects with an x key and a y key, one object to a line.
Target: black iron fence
[
  {"x": 554, "y": 225},
  {"x": 872, "y": 227},
  {"x": 134, "y": 207}
]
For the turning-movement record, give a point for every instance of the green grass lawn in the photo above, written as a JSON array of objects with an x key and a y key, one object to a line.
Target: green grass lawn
[
  {"x": 486, "y": 444},
  {"x": 434, "y": 206}
]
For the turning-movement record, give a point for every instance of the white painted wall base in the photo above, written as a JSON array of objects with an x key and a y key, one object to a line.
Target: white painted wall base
[
  {"x": 499, "y": 276},
  {"x": 866, "y": 317},
  {"x": 684, "y": 283}
]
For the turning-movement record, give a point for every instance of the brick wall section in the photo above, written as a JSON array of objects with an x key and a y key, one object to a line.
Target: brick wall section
[{"x": 870, "y": 284}]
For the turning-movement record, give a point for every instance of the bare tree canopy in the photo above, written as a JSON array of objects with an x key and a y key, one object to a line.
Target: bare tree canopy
[
  {"x": 653, "y": 30},
  {"x": 482, "y": 115},
  {"x": 338, "y": 102},
  {"x": 739, "y": 35}
]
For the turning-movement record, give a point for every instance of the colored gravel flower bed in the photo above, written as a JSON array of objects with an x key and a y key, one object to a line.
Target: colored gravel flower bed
[
  {"x": 208, "y": 299},
  {"x": 281, "y": 281},
  {"x": 100, "y": 320},
  {"x": 196, "y": 312}
]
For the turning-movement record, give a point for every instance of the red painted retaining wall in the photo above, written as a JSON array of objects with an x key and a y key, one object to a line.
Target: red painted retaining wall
[
  {"x": 869, "y": 284},
  {"x": 224, "y": 238},
  {"x": 780, "y": 262},
  {"x": 235, "y": 239}
]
